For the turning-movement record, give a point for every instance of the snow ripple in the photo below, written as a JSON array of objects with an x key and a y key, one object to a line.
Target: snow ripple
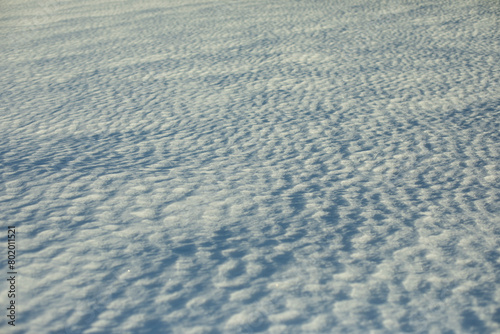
[{"x": 240, "y": 167}]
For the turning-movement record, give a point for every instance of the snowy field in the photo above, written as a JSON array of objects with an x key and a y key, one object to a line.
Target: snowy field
[{"x": 264, "y": 166}]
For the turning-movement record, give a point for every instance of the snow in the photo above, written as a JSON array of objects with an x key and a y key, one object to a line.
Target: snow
[{"x": 251, "y": 166}]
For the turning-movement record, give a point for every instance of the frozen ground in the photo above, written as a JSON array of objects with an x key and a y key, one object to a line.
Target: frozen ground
[{"x": 252, "y": 166}]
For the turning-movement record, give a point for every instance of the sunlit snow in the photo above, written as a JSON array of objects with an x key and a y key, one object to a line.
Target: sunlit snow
[{"x": 277, "y": 166}]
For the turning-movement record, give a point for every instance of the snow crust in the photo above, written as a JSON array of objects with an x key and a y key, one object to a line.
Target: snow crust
[{"x": 252, "y": 166}]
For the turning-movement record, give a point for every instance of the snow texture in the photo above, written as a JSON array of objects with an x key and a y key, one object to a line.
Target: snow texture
[{"x": 274, "y": 166}]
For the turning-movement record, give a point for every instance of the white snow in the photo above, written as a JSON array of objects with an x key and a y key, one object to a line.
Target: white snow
[{"x": 251, "y": 166}]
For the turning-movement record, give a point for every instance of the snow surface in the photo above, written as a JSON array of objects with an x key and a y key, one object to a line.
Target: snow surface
[{"x": 189, "y": 166}]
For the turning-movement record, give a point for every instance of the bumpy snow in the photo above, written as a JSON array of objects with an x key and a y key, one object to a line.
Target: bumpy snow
[{"x": 253, "y": 166}]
